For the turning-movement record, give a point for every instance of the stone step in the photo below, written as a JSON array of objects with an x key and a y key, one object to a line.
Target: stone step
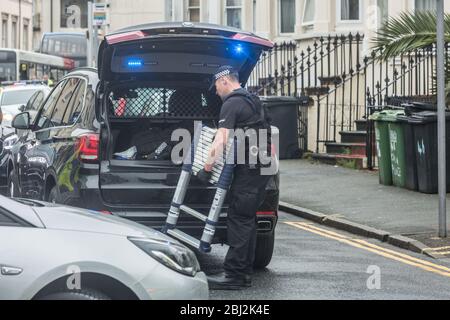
[
  {"x": 353, "y": 136},
  {"x": 361, "y": 125},
  {"x": 346, "y": 148},
  {"x": 317, "y": 91},
  {"x": 330, "y": 81},
  {"x": 348, "y": 161}
]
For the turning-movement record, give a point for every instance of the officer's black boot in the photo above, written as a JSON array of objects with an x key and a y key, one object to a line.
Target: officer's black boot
[{"x": 225, "y": 281}]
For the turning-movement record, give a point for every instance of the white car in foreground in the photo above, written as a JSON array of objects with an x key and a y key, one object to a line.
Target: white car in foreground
[{"x": 49, "y": 251}]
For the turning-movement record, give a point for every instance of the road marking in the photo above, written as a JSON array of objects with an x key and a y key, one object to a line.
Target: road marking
[
  {"x": 436, "y": 249},
  {"x": 362, "y": 244},
  {"x": 442, "y": 253}
]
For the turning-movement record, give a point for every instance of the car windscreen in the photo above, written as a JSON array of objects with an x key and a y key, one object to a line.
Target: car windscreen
[{"x": 16, "y": 97}]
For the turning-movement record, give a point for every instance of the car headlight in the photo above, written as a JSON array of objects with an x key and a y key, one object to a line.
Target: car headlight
[
  {"x": 172, "y": 255},
  {"x": 10, "y": 141},
  {"x": 8, "y": 117}
]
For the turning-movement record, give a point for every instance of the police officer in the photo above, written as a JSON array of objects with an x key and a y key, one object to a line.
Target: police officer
[{"x": 240, "y": 110}]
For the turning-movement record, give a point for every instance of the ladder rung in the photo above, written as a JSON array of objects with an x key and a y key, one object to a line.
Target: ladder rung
[
  {"x": 215, "y": 170},
  {"x": 194, "y": 213},
  {"x": 184, "y": 237}
]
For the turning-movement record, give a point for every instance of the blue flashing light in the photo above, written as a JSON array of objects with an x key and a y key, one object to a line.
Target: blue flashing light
[
  {"x": 238, "y": 49},
  {"x": 135, "y": 63}
]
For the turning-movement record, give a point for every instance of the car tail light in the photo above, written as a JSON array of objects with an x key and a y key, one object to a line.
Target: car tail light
[
  {"x": 106, "y": 212},
  {"x": 88, "y": 146},
  {"x": 266, "y": 213}
]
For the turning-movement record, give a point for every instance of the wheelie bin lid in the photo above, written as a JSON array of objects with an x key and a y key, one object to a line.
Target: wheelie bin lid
[
  {"x": 280, "y": 101},
  {"x": 387, "y": 115},
  {"x": 426, "y": 117},
  {"x": 415, "y": 107}
]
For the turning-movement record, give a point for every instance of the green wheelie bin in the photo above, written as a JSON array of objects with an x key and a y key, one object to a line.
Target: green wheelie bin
[
  {"x": 383, "y": 148},
  {"x": 397, "y": 147}
]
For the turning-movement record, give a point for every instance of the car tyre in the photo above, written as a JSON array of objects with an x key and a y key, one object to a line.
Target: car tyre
[
  {"x": 13, "y": 186},
  {"x": 53, "y": 196},
  {"x": 264, "y": 249},
  {"x": 86, "y": 294}
]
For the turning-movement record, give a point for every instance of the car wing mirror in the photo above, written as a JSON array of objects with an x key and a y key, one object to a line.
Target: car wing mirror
[{"x": 22, "y": 121}]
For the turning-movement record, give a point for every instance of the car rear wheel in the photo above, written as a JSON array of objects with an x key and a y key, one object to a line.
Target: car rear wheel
[
  {"x": 13, "y": 187},
  {"x": 264, "y": 249},
  {"x": 86, "y": 294},
  {"x": 53, "y": 196}
]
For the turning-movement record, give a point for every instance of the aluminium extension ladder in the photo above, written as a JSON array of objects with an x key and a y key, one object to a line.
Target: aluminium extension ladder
[{"x": 221, "y": 177}]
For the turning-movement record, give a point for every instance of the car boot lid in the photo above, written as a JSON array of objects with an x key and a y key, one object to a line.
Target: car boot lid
[{"x": 178, "y": 49}]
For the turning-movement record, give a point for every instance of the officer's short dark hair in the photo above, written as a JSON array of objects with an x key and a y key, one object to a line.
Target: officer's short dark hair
[{"x": 233, "y": 77}]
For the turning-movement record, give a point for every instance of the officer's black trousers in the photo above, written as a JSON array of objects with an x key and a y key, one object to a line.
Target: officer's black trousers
[{"x": 247, "y": 193}]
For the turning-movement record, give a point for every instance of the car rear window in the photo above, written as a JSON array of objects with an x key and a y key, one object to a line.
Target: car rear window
[{"x": 161, "y": 103}]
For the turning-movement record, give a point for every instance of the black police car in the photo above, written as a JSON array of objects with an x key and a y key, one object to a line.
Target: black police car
[{"x": 116, "y": 157}]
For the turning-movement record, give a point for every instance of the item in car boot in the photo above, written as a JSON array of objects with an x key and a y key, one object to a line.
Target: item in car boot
[
  {"x": 160, "y": 153},
  {"x": 129, "y": 154}
]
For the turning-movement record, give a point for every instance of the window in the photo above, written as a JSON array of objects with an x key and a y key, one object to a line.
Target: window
[
  {"x": 47, "y": 109},
  {"x": 6, "y": 221},
  {"x": 169, "y": 10},
  {"x": 10, "y": 98},
  {"x": 38, "y": 101},
  {"x": 287, "y": 16},
  {"x": 76, "y": 105},
  {"x": 254, "y": 16},
  {"x": 194, "y": 10},
  {"x": 233, "y": 12},
  {"x": 425, "y": 5},
  {"x": 350, "y": 10},
  {"x": 63, "y": 102},
  {"x": 25, "y": 36},
  {"x": 34, "y": 101},
  {"x": 14, "y": 43},
  {"x": 309, "y": 12},
  {"x": 8, "y": 66},
  {"x": 4, "y": 31},
  {"x": 383, "y": 11}
]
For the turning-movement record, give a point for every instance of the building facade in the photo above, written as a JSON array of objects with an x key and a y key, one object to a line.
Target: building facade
[
  {"x": 278, "y": 20},
  {"x": 16, "y": 24},
  {"x": 72, "y": 15}
]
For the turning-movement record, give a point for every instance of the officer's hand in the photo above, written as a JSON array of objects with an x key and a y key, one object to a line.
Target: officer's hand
[
  {"x": 208, "y": 167},
  {"x": 204, "y": 176}
]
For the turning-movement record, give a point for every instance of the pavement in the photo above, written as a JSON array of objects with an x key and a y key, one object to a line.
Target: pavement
[
  {"x": 316, "y": 262},
  {"x": 354, "y": 201}
]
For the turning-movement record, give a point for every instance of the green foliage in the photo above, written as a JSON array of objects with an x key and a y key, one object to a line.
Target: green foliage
[{"x": 409, "y": 32}]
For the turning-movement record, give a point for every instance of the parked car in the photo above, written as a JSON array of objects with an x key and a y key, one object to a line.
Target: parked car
[
  {"x": 72, "y": 154},
  {"x": 16, "y": 98},
  {"x": 54, "y": 252},
  {"x": 20, "y": 97}
]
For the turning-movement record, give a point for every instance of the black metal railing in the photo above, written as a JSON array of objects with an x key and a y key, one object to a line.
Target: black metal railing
[
  {"x": 344, "y": 84},
  {"x": 407, "y": 78},
  {"x": 270, "y": 66}
]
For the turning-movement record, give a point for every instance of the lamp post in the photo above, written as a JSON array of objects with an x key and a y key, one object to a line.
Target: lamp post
[{"x": 441, "y": 119}]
